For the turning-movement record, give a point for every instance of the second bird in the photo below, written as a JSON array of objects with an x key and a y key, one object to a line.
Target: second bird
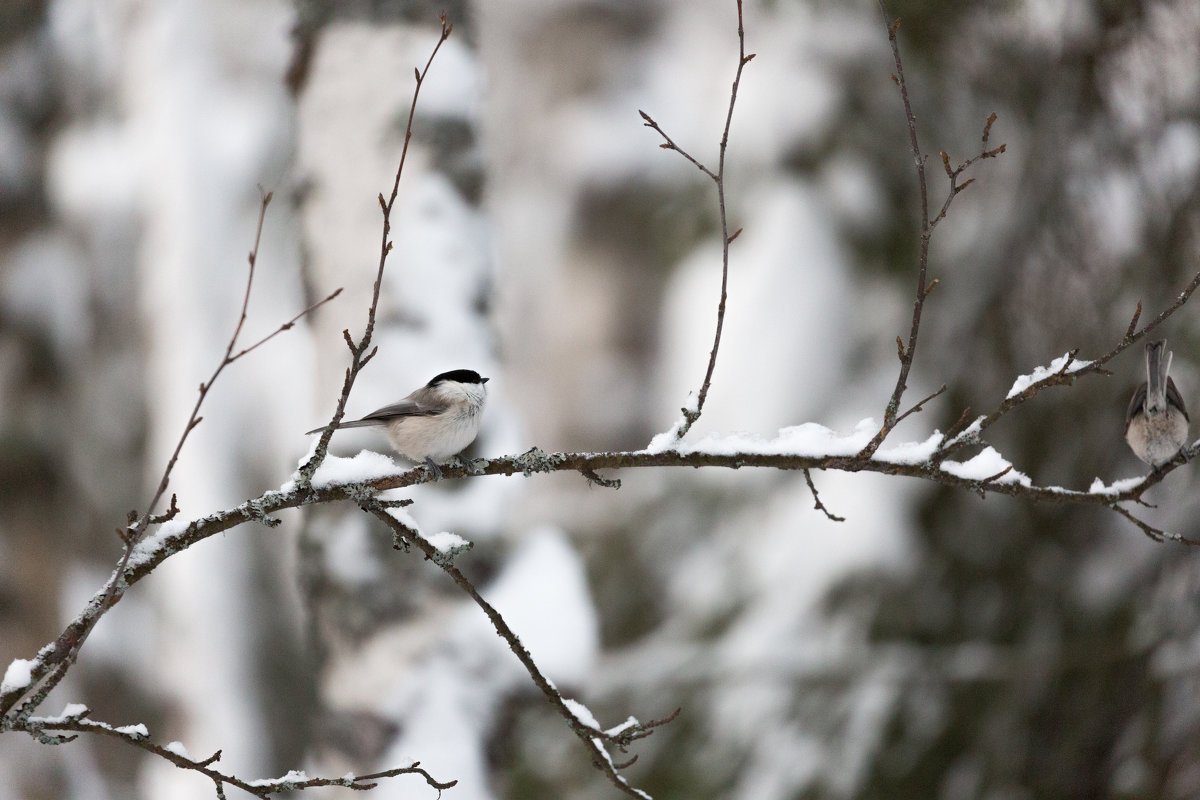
[{"x": 1156, "y": 423}]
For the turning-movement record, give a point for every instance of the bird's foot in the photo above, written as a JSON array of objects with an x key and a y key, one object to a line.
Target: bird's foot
[{"x": 434, "y": 470}]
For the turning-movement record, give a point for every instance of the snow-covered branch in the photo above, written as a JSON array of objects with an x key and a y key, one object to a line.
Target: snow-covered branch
[{"x": 961, "y": 458}]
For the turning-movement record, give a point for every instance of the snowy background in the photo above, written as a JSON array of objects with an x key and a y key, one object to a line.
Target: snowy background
[{"x": 932, "y": 645}]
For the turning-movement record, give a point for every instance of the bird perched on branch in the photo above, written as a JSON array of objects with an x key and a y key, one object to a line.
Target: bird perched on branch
[
  {"x": 1156, "y": 422},
  {"x": 433, "y": 423}
]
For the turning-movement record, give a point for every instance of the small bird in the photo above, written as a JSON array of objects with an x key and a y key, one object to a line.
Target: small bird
[
  {"x": 435, "y": 422},
  {"x": 1156, "y": 423}
]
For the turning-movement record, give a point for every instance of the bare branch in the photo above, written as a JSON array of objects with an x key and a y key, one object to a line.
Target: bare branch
[
  {"x": 1156, "y": 534},
  {"x": 357, "y": 350},
  {"x": 287, "y": 326},
  {"x": 817, "y": 504},
  {"x": 920, "y": 404},
  {"x": 594, "y": 478},
  {"x": 690, "y": 415},
  {"x": 923, "y": 288},
  {"x": 1137, "y": 314},
  {"x": 133, "y": 735}
]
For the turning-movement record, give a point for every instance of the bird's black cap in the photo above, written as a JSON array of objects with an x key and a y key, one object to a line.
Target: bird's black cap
[{"x": 460, "y": 375}]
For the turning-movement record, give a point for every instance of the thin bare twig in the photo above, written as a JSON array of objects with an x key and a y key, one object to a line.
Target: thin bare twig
[
  {"x": 906, "y": 353},
  {"x": 817, "y": 504},
  {"x": 1155, "y": 534},
  {"x": 38, "y": 726},
  {"x": 137, "y": 530},
  {"x": 359, "y": 354},
  {"x": 690, "y": 415},
  {"x": 920, "y": 405},
  {"x": 287, "y": 326},
  {"x": 953, "y": 174}
]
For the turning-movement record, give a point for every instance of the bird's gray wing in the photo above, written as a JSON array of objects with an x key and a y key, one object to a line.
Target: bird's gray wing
[
  {"x": 1136, "y": 403},
  {"x": 406, "y": 408},
  {"x": 382, "y": 416},
  {"x": 1175, "y": 397}
]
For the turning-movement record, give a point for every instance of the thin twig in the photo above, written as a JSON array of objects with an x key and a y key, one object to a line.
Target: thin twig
[
  {"x": 1155, "y": 534},
  {"x": 690, "y": 415},
  {"x": 138, "y": 530},
  {"x": 360, "y": 356},
  {"x": 953, "y": 174},
  {"x": 37, "y": 727},
  {"x": 920, "y": 404},
  {"x": 906, "y": 353},
  {"x": 287, "y": 326},
  {"x": 817, "y": 504}
]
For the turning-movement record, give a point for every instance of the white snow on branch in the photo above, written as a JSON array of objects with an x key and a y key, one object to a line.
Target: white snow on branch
[
  {"x": 910, "y": 452},
  {"x": 158, "y": 539},
  {"x": 72, "y": 711},
  {"x": 971, "y": 432},
  {"x": 139, "y": 730},
  {"x": 616, "y": 730},
  {"x": 366, "y": 466},
  {"x": 449, "y": 543},
  {"x": 988, "y": 464},
  {"x": 1041, "y": 373},
  {"x": 178, "y": 749},
  {"x": 293, "y": 776},
  {"x": 663, "y": 441},
  {"x": 18, "y": 675},
  {"x": 1114, "y": 488},
  {"x": 582, "y": 713},
  {"x": 806, "y": 439}
]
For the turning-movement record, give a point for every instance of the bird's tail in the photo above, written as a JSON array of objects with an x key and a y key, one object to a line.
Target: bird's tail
[
  {"x": 358, "y": 423},
  {"x": 1157, "y": 368}
]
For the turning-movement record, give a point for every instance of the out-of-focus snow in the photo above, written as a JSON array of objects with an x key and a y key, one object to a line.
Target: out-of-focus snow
[
  {"x": 446, "y": 699},
  {"x": 787, "y": 286},
  {"x": 349, "y": 555},
  {"x": 40, "y": 289},
  {"x": 542, "y": 593}
]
